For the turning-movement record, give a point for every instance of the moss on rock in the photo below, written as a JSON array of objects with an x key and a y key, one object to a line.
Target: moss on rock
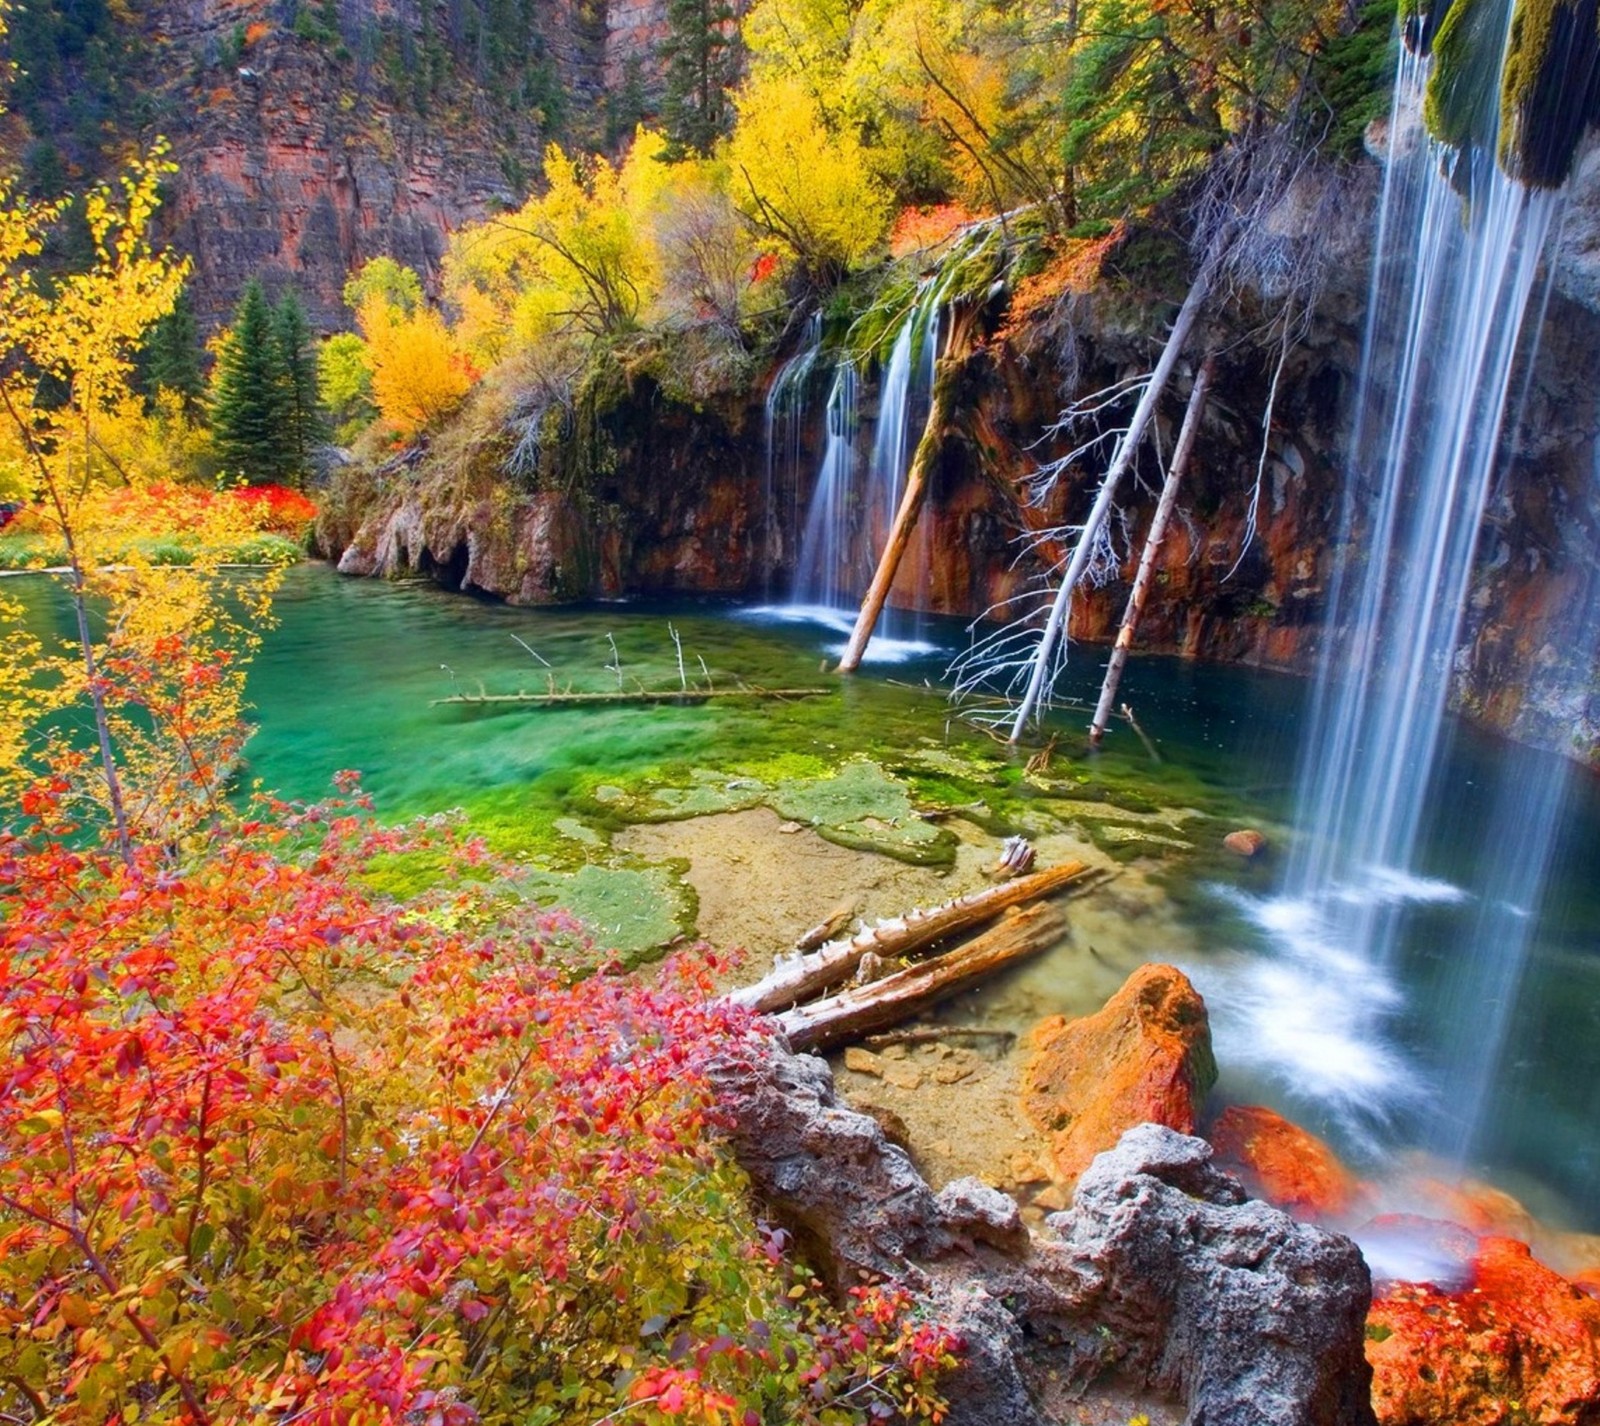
[
  {"x": 631, "y": 910},
  {"x": 1549, "y": 88}
]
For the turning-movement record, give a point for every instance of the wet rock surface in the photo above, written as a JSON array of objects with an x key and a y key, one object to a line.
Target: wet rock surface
[
  {"x": 1144, "y": 1058},
  {"x": 1282, "y": 1163},
  {"x": 1517, "y": 1343}
]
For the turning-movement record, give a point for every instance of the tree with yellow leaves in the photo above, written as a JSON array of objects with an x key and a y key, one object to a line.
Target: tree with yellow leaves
[
  {"x": 65, "y": 364},
  {"x": 579, "y": 259},
  {"x": 419, "y": 374},
  {"x": 796, "y": 180}
]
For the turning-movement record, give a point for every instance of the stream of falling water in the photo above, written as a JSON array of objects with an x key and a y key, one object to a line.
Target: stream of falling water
[
  {"x": 1458, "y": 251},
  {"x": 817, "y": 575},
  {"x": 787, "y": 407},
  {"x": 853, "y": 504}
]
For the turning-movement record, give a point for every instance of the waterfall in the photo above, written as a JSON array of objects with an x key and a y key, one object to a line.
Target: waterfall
[
  {"x": 902, "y": 409},
  {"x": 817, "y": 574},
  {"x": 853, "y": 505},
  {"x": 1458, "y": 249},
  {"x": 1446, "y": 315},
  {"x": 786, "y": 411}
]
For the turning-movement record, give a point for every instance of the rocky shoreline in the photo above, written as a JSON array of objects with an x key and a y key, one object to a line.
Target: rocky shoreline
[{"x": 1187, "y": 1281}]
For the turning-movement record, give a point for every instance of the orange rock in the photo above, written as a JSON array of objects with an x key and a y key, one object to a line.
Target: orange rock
[
  {"x": 1246, "y": 842},
  {"x": 1283, "y": 1163},
  {"x": 1144, "y": 1058},
  {"x": 1519, "y": 1346},
  {"x": 1475, "y": 1205},
  {"x": 1588, "y": 1281}
]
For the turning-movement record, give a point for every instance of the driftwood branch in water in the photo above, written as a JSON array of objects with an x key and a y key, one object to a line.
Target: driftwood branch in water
[
  {"x": 802, "y": 977},
  {"x": 853, "y": 1012},
  {"x": 641, "y": 695},
  {"x": 937, "y": 1035}
]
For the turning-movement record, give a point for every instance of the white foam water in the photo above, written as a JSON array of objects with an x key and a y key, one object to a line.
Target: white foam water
[{"x": 880, "y": 650}]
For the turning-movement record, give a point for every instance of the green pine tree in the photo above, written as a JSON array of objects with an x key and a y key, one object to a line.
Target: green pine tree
[
  {"x": 169, "y": 360},
  {"x": 248, "y": 406},
  {"x": 304, "y": 426},
  {"x": 700, "y": 63}
]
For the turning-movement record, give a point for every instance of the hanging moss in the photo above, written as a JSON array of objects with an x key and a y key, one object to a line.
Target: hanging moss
[
  {"x": 1550, "y": 88},
  {"x": 1459, "y": 108},
  {"x": 1419, "y": 23}
]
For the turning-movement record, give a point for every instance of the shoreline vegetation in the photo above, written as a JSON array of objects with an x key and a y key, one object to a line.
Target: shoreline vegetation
[{"x": 165, "y": 523}]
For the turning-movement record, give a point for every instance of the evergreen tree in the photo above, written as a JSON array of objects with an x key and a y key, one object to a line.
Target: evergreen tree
[
  {"x": 248, "y": 404},
  {"x": 304, "y": 426},
  {"x": 699, "y": 61},
  {"x": 169, "y": 359}
]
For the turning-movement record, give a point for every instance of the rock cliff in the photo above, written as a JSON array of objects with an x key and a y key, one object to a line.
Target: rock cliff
[
  {"x": 312, "y": 136},
  {"x": 665, "y": 493}
]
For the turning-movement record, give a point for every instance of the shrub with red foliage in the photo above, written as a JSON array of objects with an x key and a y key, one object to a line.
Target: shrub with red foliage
[
  {"x": 917, "y": 229},
  {"x": 273, "y": 1148},
  {"x": 277, "y": 508}
]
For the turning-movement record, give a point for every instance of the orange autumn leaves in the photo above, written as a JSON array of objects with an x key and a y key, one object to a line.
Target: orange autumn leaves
[{"x": 276, "y": 1146}]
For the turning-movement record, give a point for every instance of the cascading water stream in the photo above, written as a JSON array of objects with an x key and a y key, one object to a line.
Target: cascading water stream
[
  {"x": 817, "y": 582},
  {"x": 854, "y": 502},
  {"x": 1459, "y": 246},
  {"x": 786, "y": 411},
  {"x": 902, "y": 407}
]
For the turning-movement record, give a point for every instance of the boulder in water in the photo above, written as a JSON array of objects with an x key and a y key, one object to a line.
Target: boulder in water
[
  {"x": 1279, "y": 1161},
  {"x": 1246, "y": 842}
]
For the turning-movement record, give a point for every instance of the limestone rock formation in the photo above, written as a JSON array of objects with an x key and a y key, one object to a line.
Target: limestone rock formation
[
  {"x": 853, "y": 1200},
  {"x": 1247, "y": 1316},
  {"x": 1166, "y": 1293},
  {"x": 1144, "y": 1058}
]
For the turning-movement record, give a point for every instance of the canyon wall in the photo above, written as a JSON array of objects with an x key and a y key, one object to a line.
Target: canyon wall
[
  {"x": 663, "y": 494},
  {"x": 312, "y": 135}
]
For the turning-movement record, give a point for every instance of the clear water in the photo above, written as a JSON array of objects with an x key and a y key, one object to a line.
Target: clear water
[{"x": 347, "y": 678}]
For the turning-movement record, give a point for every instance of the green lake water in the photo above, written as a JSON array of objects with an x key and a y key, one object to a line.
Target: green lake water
[{"x": 349, "y": 676}]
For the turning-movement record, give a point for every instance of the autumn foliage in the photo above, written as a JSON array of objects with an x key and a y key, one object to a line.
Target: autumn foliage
[{"x": 275, "y": 1147}]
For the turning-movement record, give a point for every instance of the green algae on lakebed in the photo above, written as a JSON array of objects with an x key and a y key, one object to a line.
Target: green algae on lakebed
[{"x": 349, "y": 679}]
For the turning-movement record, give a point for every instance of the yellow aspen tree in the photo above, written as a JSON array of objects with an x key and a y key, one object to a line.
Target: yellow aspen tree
[{"x": 65, "y": 358}]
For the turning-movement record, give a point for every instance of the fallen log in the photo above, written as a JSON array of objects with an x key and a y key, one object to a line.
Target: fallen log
[
  {"x": 852, "y": 1013},
  {"x": 800, "y": 978},
  {"x": 826, "y": 929},
  {"x": 946, "y": 375},
  {"x": 641, "y": 695}
]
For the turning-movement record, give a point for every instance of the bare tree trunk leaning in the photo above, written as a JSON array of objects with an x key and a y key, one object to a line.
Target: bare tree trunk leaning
[
  {"x": 914, "y": 496},
  {"x": 1039, "y": 677},
  {"x": 884, "y": 1002},
  {"x": 802, "y": 977},
  {"x": 1152, "y": 547}
]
